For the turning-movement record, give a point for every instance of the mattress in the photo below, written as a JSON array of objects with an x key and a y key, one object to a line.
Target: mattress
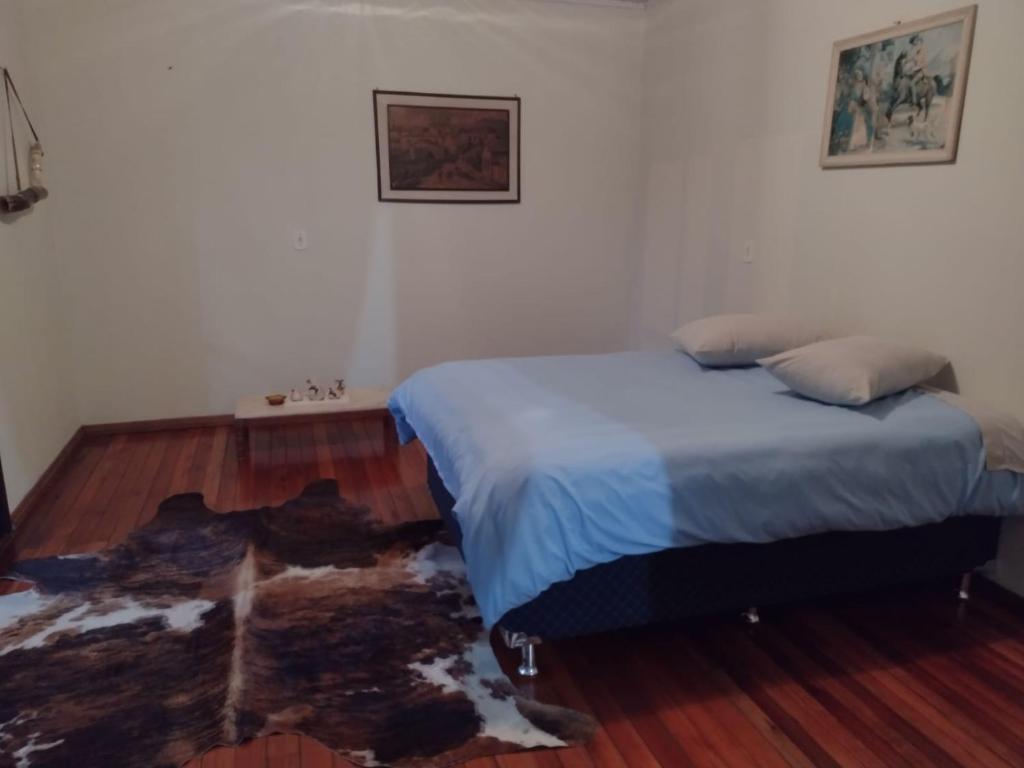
[{"x": 558, "y": 464}]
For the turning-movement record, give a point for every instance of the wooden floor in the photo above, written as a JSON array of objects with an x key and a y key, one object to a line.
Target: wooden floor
[{"x": 910, "y": 678}]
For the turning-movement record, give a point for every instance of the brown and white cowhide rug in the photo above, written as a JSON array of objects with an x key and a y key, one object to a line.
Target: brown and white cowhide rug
[{"x": 206, "y": 629}]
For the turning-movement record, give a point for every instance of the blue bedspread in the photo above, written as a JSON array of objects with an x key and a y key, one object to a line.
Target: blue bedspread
[{"x": 561, "y": 463}]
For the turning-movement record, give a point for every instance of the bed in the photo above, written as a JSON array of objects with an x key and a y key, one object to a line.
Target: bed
[{"x": 590, "y": 493}]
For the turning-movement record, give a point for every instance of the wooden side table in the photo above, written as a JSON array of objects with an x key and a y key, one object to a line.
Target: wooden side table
[{"x": 255, "y": 411}]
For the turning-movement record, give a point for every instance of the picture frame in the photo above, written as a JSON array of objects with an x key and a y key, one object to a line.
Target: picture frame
[
  {"x": 447, "y": 148},
  {"x": 896, "y": 96}
]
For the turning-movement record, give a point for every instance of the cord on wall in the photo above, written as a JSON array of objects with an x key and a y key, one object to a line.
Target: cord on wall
[{"x": 5, "y": 510}]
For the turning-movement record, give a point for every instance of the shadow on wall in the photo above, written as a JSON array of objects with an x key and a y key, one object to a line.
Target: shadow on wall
[{"x": 946, "y": 380}]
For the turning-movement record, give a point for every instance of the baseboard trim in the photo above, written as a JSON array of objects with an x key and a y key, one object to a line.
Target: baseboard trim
[
  {"x": 59, "y": 464},
  {"x": 27, "y": 505},
  {"x": 42, "y": 485},
  {"x": 158, "y": 425},
  {"x": 36, "y": 493}
]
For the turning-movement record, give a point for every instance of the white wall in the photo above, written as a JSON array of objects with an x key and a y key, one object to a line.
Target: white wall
[
  {"x": 36, "y": 398},
  {"x": 186, "y": 139},
  {"x": 734, "y": 106}
]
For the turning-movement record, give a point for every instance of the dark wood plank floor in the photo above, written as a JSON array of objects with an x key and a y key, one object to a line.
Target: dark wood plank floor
[{"x": 910, "y": 678}]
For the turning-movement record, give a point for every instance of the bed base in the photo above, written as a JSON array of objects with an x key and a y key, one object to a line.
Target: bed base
[
  {"x": 674, "y": 584},
  {"x": 527, "y": 646}
]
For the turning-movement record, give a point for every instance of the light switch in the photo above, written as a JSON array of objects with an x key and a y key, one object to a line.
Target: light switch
[{"x": 299, "y": 240}]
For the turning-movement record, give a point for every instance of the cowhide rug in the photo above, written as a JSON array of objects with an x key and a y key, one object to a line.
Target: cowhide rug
[{"x": 207, "y": 629}]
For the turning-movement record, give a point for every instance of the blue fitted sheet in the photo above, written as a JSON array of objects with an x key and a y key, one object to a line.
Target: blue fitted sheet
[{"x": 561, "y": 463}]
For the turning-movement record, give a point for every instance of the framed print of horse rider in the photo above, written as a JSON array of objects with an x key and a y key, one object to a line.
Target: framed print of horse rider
[{"x": 896, "y": 96}]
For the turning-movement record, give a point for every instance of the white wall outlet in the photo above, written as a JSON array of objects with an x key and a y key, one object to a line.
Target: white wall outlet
[
  {"x": 299, "y": 240},
  {"x": 748, "y": 252}
]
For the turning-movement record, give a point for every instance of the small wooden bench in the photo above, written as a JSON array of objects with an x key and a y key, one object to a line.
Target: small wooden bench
[{"x": 255, "y": 411}]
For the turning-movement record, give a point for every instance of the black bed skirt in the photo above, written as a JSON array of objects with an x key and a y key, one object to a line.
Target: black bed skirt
[{"x": 673, "y": 584}]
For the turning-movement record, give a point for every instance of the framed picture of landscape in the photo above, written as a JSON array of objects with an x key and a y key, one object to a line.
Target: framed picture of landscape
[
  {"x": 896, "y": 96},
  {"x": 440, "y": 148}
]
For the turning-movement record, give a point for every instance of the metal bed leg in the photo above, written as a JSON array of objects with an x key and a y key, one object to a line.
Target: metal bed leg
[
  {"x": 528, "y": 666},
  {"x": 751, "y": 616},
  {"x": 528, "y": 648},
  {"x": 965, "y": 587}
]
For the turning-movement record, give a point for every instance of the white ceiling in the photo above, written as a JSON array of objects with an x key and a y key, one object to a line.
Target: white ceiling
[{"x": 605, "y": 2}]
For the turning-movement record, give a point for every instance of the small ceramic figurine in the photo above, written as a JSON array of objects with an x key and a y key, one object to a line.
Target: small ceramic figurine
[
  {"x": 339, "y": 387},
  {"x": 295, "y": 396},
  {"x": 313, "y": 390},
  {"x": 333, "y": 394}
]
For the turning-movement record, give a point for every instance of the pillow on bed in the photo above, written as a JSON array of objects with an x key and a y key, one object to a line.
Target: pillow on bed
[
  {"x": 853, "y": 370},
  {"x": 728, "y": 340}
]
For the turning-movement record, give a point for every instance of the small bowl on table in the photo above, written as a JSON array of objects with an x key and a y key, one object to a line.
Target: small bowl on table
[{"x": 276, "y": 399}]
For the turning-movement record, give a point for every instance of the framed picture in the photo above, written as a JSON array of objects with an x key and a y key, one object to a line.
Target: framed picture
[
  {"x": 439, "y": 148},
  {"x": 896, "y": 96}
]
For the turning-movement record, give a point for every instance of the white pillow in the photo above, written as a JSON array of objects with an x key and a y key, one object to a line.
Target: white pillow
[
  {"x": 729, "y": 340},
  {"x": 853, "y": 370}
]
